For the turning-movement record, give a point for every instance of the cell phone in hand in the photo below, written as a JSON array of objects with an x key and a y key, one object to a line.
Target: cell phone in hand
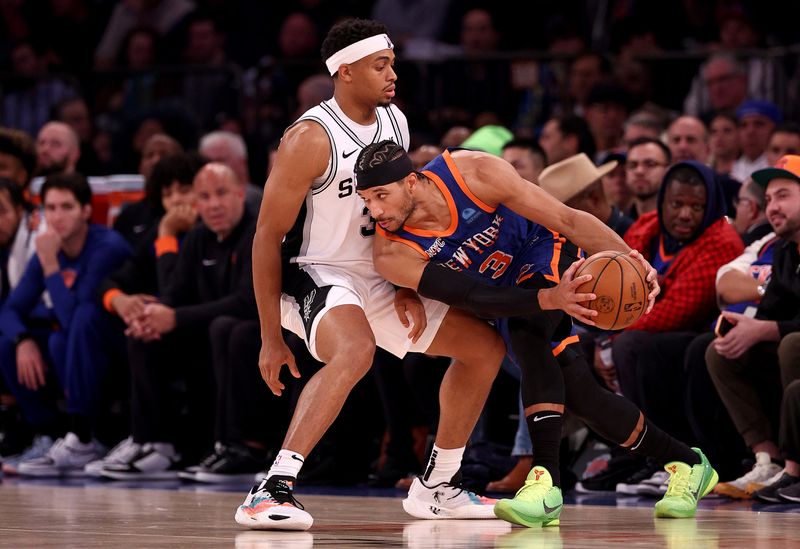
[{"x": 723, "y": 326}]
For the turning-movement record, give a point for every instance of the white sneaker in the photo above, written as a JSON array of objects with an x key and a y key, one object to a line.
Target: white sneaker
[
  {"x": 762, "y": 471},
  {"x": 655, "y": 486},
  {"x": 445, "y": 501},
  {"x": 121, "y": 453},
  {"x": 66, "y": 458},
  {"x": 40, "y": 446},
  {"x": 270, "y": 505},
  {"x": 153, "y": 461}
]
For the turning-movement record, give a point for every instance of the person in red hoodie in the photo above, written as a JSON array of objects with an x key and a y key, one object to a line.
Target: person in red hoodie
[{"x": 686, "y": 240}]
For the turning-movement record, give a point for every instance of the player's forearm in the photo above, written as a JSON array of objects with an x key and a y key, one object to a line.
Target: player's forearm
[
  {"x": 593, "y": 235},
  {"x": 267, "y": 284},
  {"x": 483, "y": 300}
]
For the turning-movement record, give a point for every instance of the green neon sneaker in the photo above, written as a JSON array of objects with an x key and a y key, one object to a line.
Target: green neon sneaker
[
  {"x": 538, "y": 503},
  {"x": 687, "y": 484}
]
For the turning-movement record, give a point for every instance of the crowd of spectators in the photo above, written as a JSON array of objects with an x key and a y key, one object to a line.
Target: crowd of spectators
[{"x": 137, "y": 330}]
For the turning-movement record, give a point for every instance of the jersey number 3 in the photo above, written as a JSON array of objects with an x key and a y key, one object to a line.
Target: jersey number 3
[
  {"x": 498, "y": 262},
  {"x": 345, "y": 190}
]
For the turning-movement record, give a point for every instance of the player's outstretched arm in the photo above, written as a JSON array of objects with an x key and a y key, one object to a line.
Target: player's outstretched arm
[
  {"x": 495, "y": 181},
  {"x": 302, "y": 157},
  {"x": 403, "y": 266}
]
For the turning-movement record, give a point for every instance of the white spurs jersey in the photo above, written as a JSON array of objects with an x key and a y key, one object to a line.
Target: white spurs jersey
[{"x": 333, "y": 226}]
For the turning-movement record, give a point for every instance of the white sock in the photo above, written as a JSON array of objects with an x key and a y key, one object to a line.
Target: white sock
[
  {"x": 442, "y": 465},
  {"x": 287, "y": 464}
]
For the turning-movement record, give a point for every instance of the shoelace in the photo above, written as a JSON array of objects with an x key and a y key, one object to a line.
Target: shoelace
[
  {"x": 279, "y": 492},
  {"x": 678, "y": 485}
]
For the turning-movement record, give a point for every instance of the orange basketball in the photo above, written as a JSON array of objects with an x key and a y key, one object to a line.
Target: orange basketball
[{"x": 619, "y": 281}]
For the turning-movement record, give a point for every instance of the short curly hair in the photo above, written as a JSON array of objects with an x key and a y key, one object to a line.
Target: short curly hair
[{"x": 348, "y": 32}]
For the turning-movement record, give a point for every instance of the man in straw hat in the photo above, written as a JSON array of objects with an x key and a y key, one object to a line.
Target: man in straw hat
[
  {"x": 576, "y": 182},
  {"x": 472, "y": 213}
]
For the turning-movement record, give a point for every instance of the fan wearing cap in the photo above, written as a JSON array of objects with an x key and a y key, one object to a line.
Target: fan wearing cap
[
  {"x": 753, "y": 346},
  {"x": 577, "y": 182},
  {"x": 757, "y": 120},
  {"x": 469, "y": 231}
]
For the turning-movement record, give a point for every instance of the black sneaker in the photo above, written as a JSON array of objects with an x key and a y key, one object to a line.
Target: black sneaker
[
  {"x": 790, "y": 493},
  {"x": 270, "y": 505},
  {"x": 618, "y": 471},
  {"x": 630, "y": 486},
  {"x": 189, "y": 473},
  {"x": 236, "y": 463},
  {"x": 769, "y": 493}
]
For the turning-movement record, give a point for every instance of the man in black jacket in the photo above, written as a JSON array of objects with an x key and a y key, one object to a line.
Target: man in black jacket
[
  {"x": 756, "y": 356},
  {"x": 210, "y": 277}
]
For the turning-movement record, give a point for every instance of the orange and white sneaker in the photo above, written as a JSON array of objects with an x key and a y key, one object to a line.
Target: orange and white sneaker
[
  {"x": 742, "y": 487},
  {"x": 270, "y": 505},
  {"x": 446, "y": 501}
]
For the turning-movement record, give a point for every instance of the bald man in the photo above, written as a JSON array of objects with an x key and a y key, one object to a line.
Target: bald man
[
  {"x": 687, "y": 138},
  {"x": 57, "y": 149},
  {"x": 212, "y": 278}
]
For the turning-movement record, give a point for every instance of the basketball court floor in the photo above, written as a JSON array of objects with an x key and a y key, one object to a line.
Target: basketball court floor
[{"x": 104, "y": 515}]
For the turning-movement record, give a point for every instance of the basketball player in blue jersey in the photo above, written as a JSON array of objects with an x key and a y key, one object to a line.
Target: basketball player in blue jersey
[
  {"x": 313, "y": 275},
  {"x": 469, "y": 231}
]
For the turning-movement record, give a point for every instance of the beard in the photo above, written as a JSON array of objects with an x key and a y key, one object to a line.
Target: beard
[
  {"x": 53, "y": 168},
  {"x": 790, "y": 230},
  {"x": 405, "y": 210},
  {"x": 646, "y": 195}
]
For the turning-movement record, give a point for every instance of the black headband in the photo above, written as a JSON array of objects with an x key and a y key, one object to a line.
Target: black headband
[{"x": 384, "y": 173}]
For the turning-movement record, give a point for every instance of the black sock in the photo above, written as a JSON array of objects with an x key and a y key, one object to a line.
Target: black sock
[
  {"x": 654, "y": 443},
  {"x": 545, "y": 430},
  {"x": 81, "y": 426}
]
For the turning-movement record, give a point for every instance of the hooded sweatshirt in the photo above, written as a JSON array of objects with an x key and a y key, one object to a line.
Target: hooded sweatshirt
[{"x": 687, "y": 269}]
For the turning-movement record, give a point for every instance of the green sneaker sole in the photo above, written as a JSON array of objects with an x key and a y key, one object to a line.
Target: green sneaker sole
[{"x": 504, "y": 509}]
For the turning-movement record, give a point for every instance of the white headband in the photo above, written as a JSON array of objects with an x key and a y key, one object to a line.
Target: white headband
[{"x": 358, "y": 50}]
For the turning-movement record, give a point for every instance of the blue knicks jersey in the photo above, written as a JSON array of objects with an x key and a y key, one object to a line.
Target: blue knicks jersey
[{"x": 496, "y": 244}]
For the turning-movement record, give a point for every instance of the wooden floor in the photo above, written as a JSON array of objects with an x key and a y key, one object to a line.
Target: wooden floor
[{"x": 107, "y": 517}]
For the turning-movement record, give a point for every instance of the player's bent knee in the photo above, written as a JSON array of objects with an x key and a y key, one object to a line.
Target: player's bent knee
[{"x": 353, "y": 356}]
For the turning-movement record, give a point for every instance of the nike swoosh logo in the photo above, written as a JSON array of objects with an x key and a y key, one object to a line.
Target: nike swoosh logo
[
  {"x": 345, "y": 155},
  {"x": 209, "y": 262},
  {"x": 540, "y": 418},
  {"x": 297, "y": 458},
  {"x": 278, "y": 517},
  {"x": 548, "y": 509}
]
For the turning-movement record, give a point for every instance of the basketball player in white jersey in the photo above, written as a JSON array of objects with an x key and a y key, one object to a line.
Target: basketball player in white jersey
[{"x": 313, "y": 274}]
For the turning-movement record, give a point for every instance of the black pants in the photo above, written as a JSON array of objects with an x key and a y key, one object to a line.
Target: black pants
[
  {"x": 650, "y": 371},
  {"x": 708, "y": 418},
  {"x": 172, "y": 391},
  {"x": 409, "y": 392},
  {"x": 246, "y": 409}
]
